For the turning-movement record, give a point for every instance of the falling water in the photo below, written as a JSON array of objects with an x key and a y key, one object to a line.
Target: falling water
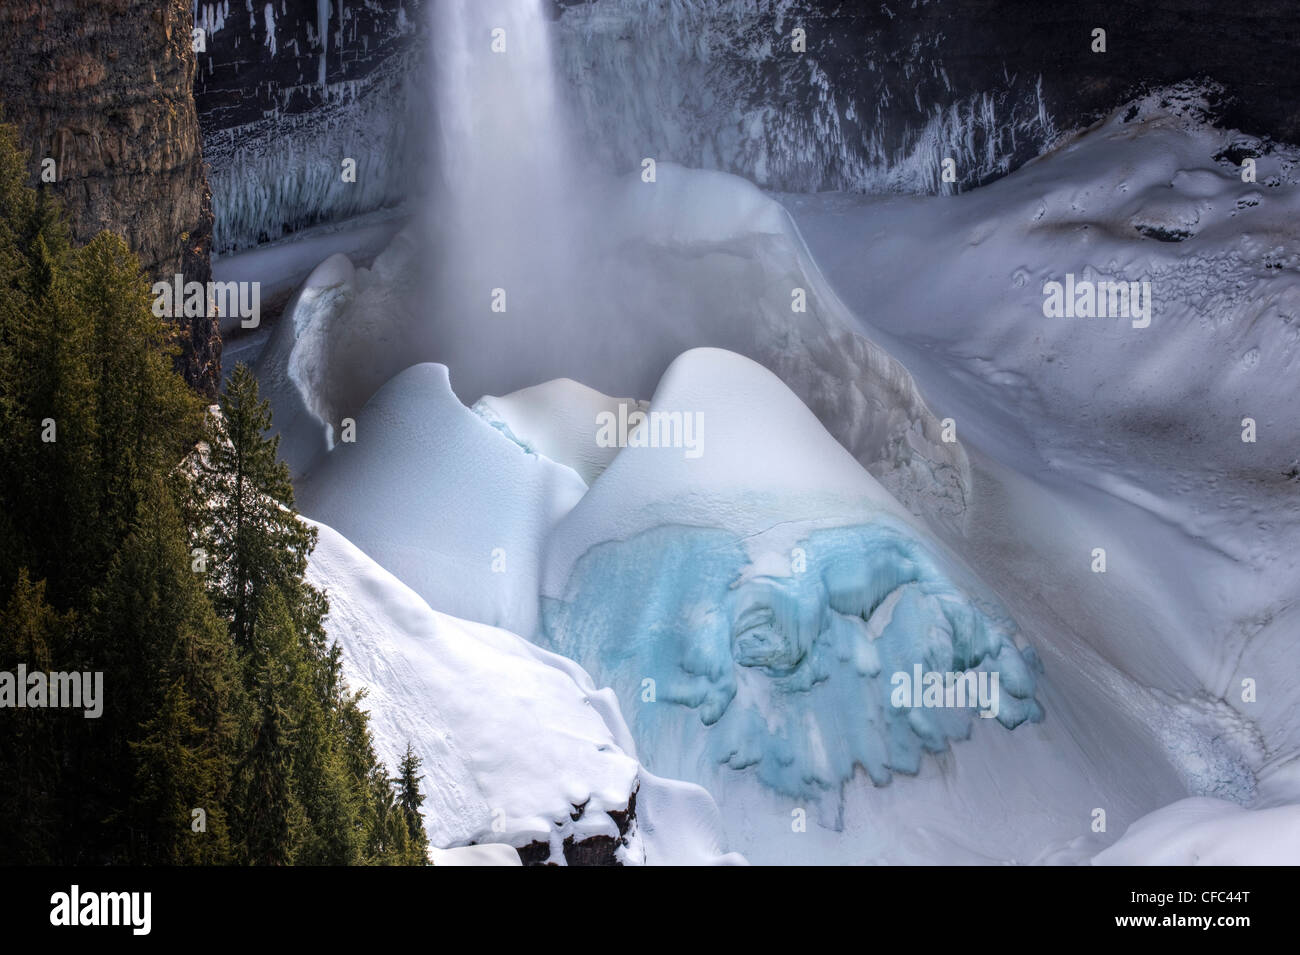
[
  {"x": 500, "y": 132},
  {"x": 502, "y": 208}
]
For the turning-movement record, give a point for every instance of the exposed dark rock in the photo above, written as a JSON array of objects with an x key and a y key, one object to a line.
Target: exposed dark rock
[
  {"x": 535, "y": 853},
  {"x": 592, "y": 851},
  {"x": 595, "y": 851},
  {"x": 887, "y": 89},
  {"x": 1163, "y": 234}
]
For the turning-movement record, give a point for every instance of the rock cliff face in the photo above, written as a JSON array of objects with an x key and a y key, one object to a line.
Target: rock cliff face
[
  {"x": 104, "y": 88},
  {"x": 883, "y": 92}
]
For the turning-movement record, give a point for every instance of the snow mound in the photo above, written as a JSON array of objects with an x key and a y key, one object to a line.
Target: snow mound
[
  {"x": 694, "y": 258},
  {"x": 494, "y": 853},
  {"x": 780, "y": 591},
  {"x": 1202, "y": 831},
  {"x": 713, "y": 261},
  {"x": 695, "y": 206},
  {"x": 517, "y": 744},
  {"x": 443, "y": 500},
  {"x": 558, "y": 419}
]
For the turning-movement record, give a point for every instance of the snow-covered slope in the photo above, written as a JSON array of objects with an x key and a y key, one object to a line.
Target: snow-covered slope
[
  {"x": 444, "y": 500},
  {"x": 1104, "y": 432},
  {"x": 517, "y": 744},
  {"x": 1202, "y": 831},
  {"x": 559, "y": 420},
  {"x": 1134, "y": 433}
]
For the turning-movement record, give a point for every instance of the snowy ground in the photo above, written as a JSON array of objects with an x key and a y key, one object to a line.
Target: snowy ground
[
  {"x": 1089, "y": 432},
  {"x": 1073, "y": 434}
]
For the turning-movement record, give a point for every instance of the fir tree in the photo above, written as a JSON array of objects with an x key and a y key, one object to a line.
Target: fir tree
[
  {"x": 255, "y": 539},
  {"x": 410, "y": 799},
  {"x": 31, "y": 632},
  {"x": 179, "y": 575}
]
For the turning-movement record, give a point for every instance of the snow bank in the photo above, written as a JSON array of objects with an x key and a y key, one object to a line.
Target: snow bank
[
  {"x": 506, "y": 734},
  {"x": 517, "y": 744},
  {"x": 490, "y": 854},
  {"x": 443, "y": 500},
  {"x": 1204, "y": 831},
  {"x": 558, "y": 419}
]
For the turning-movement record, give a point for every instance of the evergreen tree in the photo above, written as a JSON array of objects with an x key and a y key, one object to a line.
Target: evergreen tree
[
  {"x": 32, "y": 633},
  {"x": 268, "y": 809},
  {"x": 255, "y": 539},
  {"x": 179, "y": 575},
  {"x": 154, "y": 630},
  {"x": 410, "y": 798}
]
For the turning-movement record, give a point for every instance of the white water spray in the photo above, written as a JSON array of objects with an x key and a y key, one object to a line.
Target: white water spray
[{"x": 504, "y": 172}]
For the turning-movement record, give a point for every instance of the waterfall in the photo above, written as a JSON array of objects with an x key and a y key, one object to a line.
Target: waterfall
[{"x": 503, "y": 175}]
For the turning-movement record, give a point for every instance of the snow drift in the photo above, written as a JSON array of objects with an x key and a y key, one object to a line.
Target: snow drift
[
  {"x": 443, "y": 500},
  {"x": 517, "y": 744}
]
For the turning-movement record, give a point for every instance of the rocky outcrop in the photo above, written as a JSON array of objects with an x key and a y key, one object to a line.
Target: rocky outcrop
[
  {"x": 592, "y": 851},
  {"x": 104, "y": 88}
]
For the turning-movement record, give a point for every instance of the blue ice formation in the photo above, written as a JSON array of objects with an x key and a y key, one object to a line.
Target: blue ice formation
[{"x": 784, "y": 663}]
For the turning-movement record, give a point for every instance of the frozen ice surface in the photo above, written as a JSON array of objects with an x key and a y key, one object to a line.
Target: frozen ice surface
[
  {"x": 752, "y": 605},
  {"x": 789, "y": 675}
]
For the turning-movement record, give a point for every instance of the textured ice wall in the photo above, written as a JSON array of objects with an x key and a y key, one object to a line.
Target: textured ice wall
[
  {"x": 717, "y": 85},
  {"x": 286, "y": 91},
  {"x": 751, "y": 605},
  {"x": 284, "y": 172},
  {"x": 789, "y": 676}
]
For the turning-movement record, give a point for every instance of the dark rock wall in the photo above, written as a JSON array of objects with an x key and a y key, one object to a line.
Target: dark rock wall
[
  {"x": 886, "y": 90},
  {"x": 288, "y": 89},
  {"x": 104, "y": 87}
]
